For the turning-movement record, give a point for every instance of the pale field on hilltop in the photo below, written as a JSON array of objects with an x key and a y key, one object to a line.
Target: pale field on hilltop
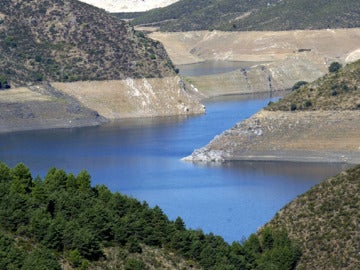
[{"x": 129, "y": 5}]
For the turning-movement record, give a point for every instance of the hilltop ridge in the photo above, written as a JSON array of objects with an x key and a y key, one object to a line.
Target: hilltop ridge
[{"x": 256, "y": 15}]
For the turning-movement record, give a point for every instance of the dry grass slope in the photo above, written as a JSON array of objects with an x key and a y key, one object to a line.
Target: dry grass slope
[{"x": 325, "y": 221}]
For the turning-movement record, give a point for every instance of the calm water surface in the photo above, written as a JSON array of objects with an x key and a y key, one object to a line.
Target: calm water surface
[{"x": 141, "y": 158}]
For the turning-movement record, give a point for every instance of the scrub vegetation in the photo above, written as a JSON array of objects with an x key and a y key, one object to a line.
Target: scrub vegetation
[
  {"x": 337, "y": 90},
  {"x": 259, "y": 15},
  {"x": 65, "y": 40},
  {"x": 62, "y": 220},
  {"x": 325, "y": 220}
]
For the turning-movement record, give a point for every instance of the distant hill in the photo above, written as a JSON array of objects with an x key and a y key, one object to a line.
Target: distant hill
[
  {"x": 244, "y": 15},
  {"x": 67, "y": 40},
  {"x": 325, "y": 220},
  {"x": 337, "y": 90}
]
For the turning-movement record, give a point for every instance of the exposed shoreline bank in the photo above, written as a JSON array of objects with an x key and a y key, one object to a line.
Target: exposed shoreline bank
[
  {"x": 92, "y": 103},
  {"x": 320, "y": 136},
  {"x": 280, "y": 58}
]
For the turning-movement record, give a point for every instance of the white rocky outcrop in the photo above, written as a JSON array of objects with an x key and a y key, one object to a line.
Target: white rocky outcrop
[
  {"x": 129, "y": 5},
  {"x": 204, "y": 155}
]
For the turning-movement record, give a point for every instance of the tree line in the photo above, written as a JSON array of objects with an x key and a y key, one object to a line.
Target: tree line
[{"x": 63, "y": 217}]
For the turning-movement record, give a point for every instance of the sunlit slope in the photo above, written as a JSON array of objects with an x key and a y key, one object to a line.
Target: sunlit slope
[
  {"x": 325, "y": 221},
  {"x": 235, "y": 15}
]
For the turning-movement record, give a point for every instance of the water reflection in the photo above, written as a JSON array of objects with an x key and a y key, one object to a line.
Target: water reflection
[{"x": 301, "y": 170}]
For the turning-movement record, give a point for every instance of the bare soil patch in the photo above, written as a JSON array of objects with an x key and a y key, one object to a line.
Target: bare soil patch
[
  {"x": 134, "y": 97},
  {"x": 22, "y": 94}
]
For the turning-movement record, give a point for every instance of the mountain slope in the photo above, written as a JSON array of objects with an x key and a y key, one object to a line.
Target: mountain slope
[
  {"x": 309, "y": 125},
  {"x": 325, "y": 220},
  {"x": 66, "y": 40},
  {"x": 234, "y": 15},
  {"x": 335, "y": 91}
]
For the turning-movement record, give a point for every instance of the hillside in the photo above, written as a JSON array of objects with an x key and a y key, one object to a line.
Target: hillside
[
  {"x": 338, "y": 90},
  {"x": 325, "y": 221},
  {"x": 266, "y": 60},
  {"x": 66, "y": 40},
  {"x": 68, "y": 64},
  {"x": 233, "y": 15},
  {"x": 314, "y": 125}
]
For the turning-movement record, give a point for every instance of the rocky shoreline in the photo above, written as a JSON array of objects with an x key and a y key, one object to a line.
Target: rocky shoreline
[{"x": 316, "y": 136}]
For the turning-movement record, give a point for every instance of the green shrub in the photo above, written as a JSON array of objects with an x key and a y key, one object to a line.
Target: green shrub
[
  {"x": 298, "y": 85},
  {"x": 308, "y": 103},
  {"x": 293, "y": 107},
  {"x": 75, "y": 258},
  {"x": 41, "y": 259},
  {"x": 135, "y": 264},
  {"x": 334, "y": 66},
  {"x": 4, "y": 84}
]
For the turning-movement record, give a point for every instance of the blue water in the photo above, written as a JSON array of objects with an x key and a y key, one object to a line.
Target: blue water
[{"x": 141, "y": 158}]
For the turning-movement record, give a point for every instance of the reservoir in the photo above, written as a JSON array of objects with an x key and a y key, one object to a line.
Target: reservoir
[{"x": 141, "y": 158}]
